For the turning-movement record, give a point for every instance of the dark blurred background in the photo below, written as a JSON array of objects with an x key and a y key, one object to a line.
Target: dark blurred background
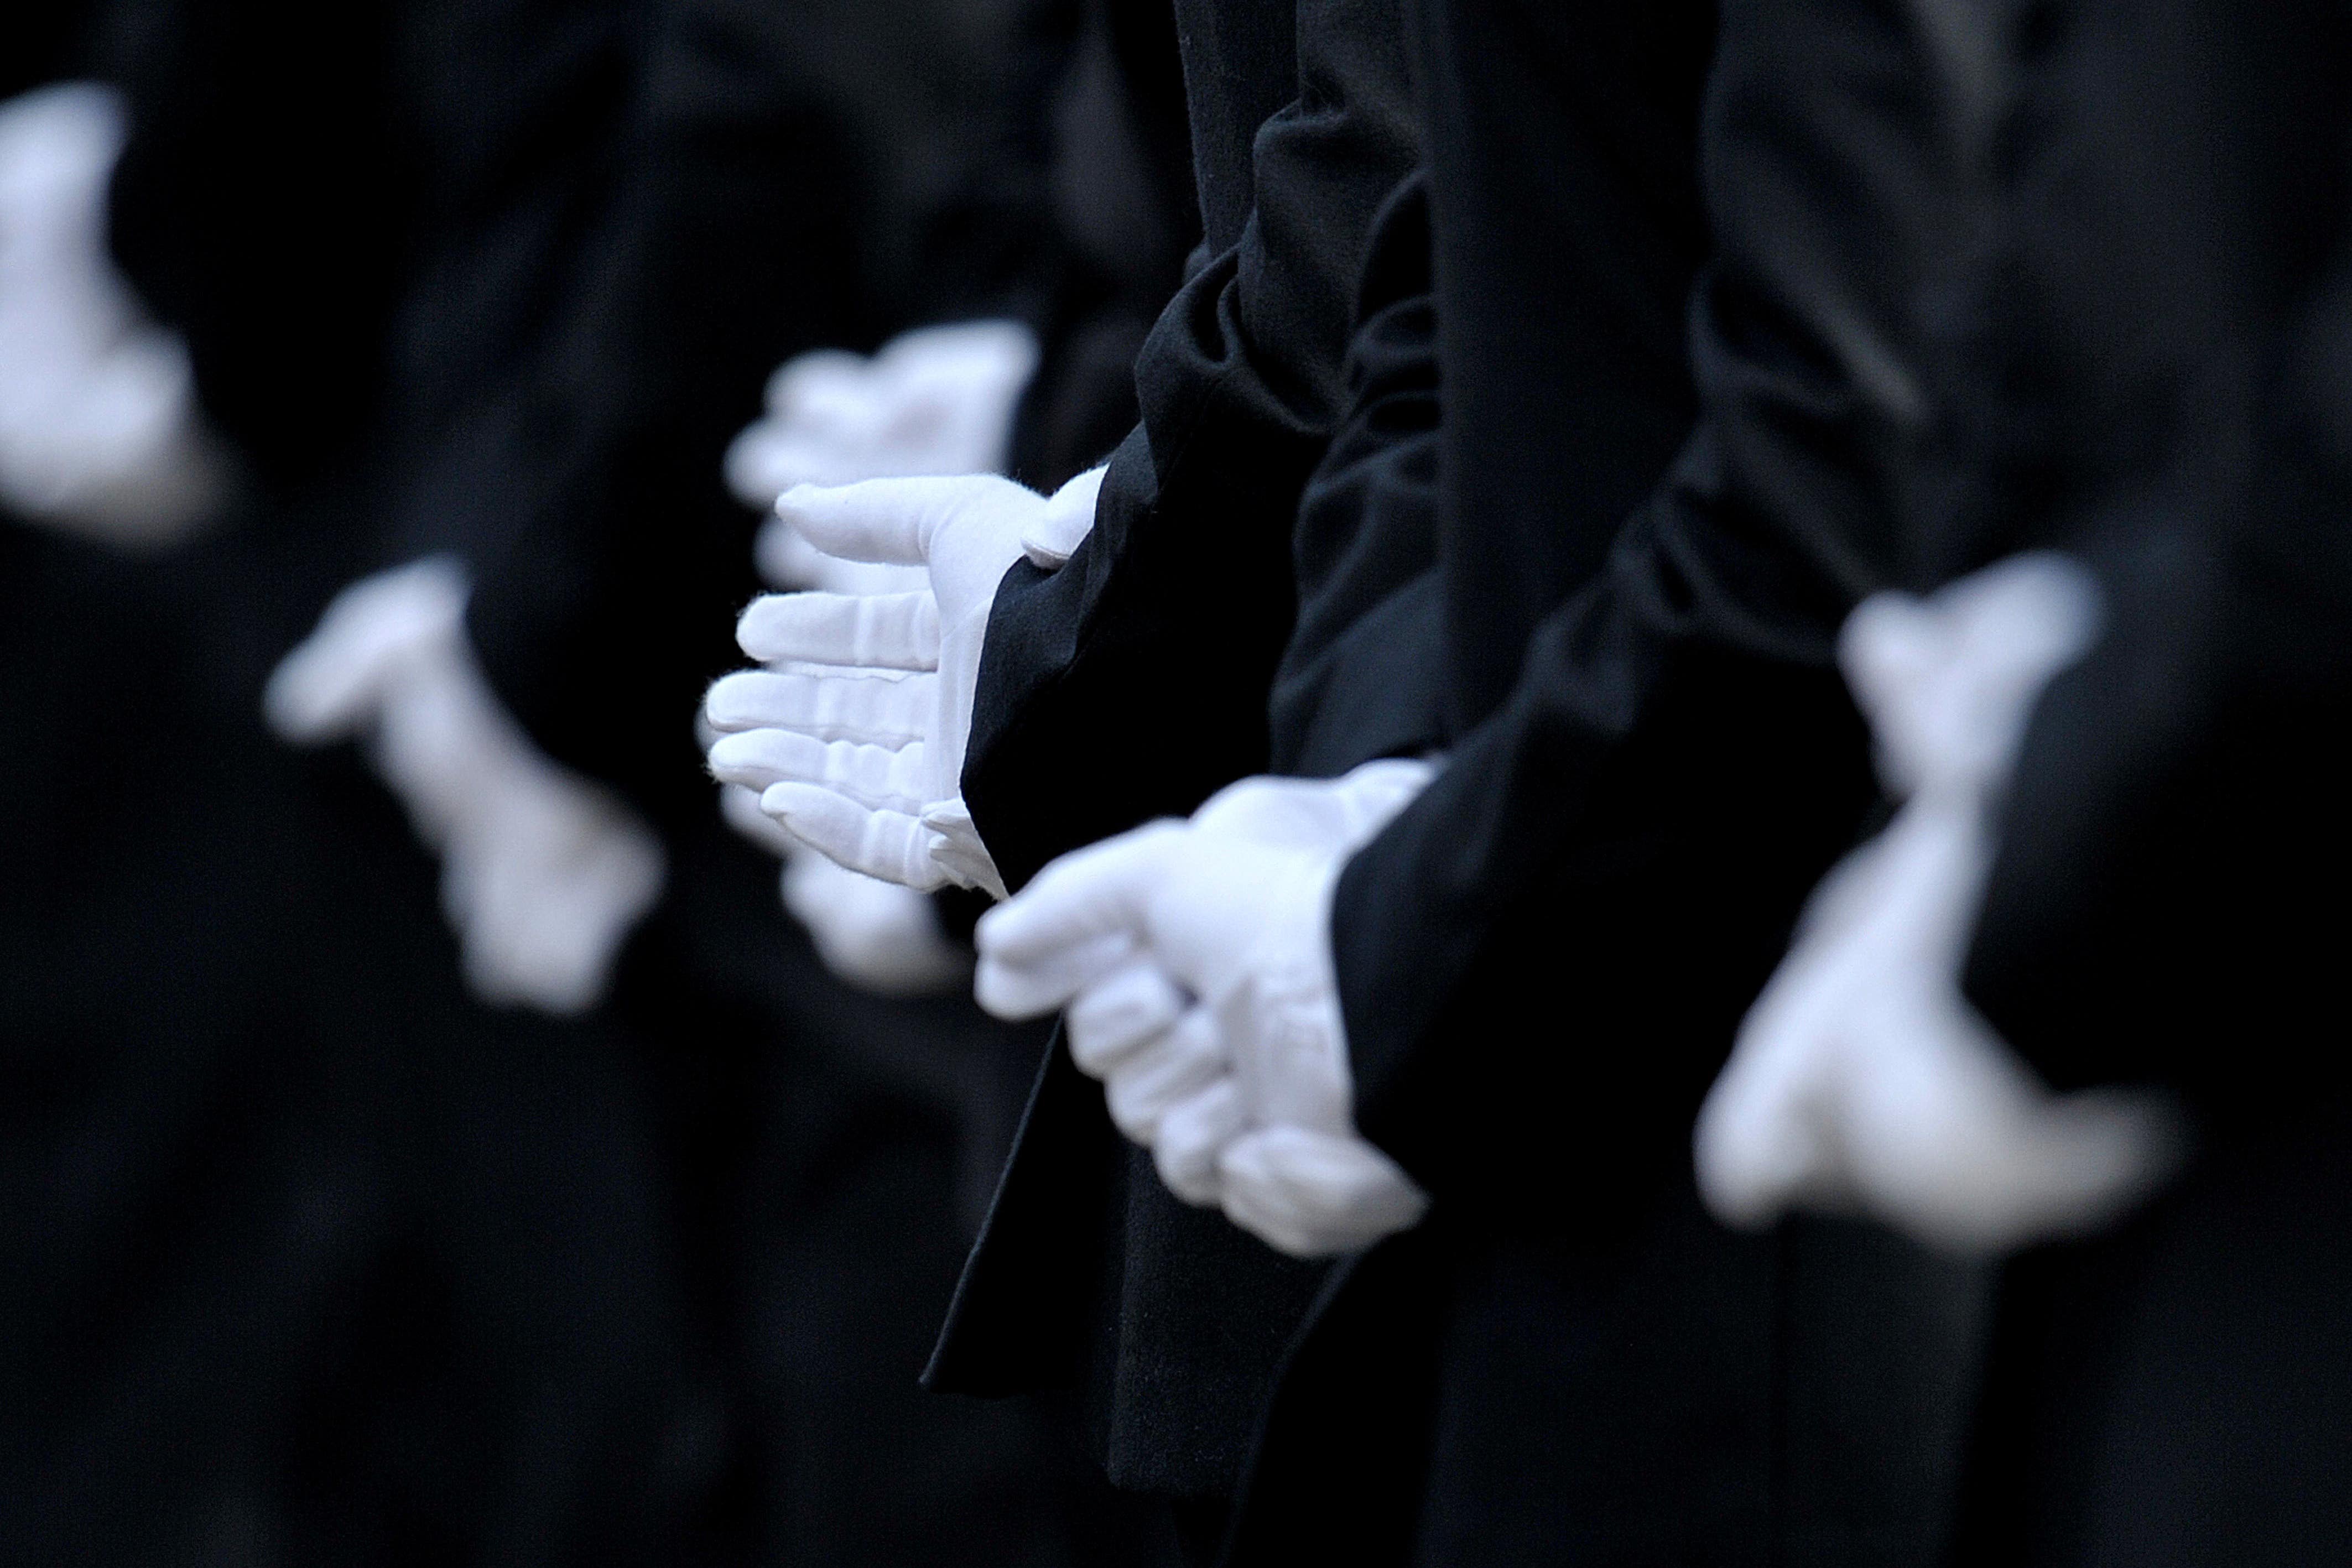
[{"x": 308, "y": 1252}]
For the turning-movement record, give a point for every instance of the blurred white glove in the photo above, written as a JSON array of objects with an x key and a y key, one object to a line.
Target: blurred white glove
[
  {"x": 856, "y": 731},
  {"x": 98, "y": 429},
  {"x": 876, "y": 935},
  {"x": 1195, "y": 959},
  {"x": 939, "y": 400},
  {"x": 543, "y": 873},
  {"x": 1862, "y": 1077}
]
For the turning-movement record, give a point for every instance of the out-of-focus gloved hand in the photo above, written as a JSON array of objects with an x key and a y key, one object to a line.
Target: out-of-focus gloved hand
[
  {"x": 543, "y": 873},
  {"x": 938, "y": 400},
  {"x": 1194, "y": 959},
  {"x": 98, "y": 430},
  {"x": 854, "y": 732},
  {"x": 1862, "y": 1079}
]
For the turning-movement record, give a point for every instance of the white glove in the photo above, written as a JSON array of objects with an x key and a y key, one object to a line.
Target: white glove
[
  {"x": 1862, "y": 1077},
  {"x": 939, "y": 400},
  {"x": 543, "y": 873},
  {"x": 98, "y": 429},
  {"x": 1195, "y": 961},
  {"x": 876, "y": 935},
  {"x": 856, "y": 731}
]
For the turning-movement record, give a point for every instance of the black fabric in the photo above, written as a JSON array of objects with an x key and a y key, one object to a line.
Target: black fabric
[
  {"x": 605, "y": 225},
  {"x": 2150, "y": 344},
  {"x": 1124, "y": 219},
  {"x": 2175, "y": 1391},
  {"x": 42, "y": 44},
  {"x": 1652, "y": 763},
  {"x": 1636, "y": 823},
  {"x": 1132, "y": 682},
  {"x": 2145, "y": 346},
  {"x": 308, "y": 1260},
  {"x": 586, "y": 492},
  {"x": 278, "y": 257},
  {"x": 1363, "y": 674}
]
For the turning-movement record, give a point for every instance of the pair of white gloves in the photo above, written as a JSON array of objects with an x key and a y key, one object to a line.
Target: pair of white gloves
[
  {"x": 1862, "y": 1079},
  {"x": 100, "y": 435},
  {"x": 542, "y": 873},
  {"x": 936, "y": 401},
  {"x": 1194, "y": 957}
]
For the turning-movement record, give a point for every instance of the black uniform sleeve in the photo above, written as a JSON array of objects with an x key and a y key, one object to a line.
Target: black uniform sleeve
[
  {"x": 1132, "y": 682},
  {"x": 1363, "y": 674},
  {"x": 2175, "y": 829},
  {"x": 1624, "y": 842},
  {"x": 584, "y": 487}
]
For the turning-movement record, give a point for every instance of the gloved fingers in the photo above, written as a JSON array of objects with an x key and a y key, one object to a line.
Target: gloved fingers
[
  {"x": 1119, "y": 1014},
  {"x": 892, "y": 520},
  {"x": 1089, "y": 892},
  {"x": 1031, "y": 991},
  {"x": 882, "y": 631},
  {"x": 1951, "y": 1138},
  {"x": 873, "y": 709},
  {"x": 1315, "y": 1195},
  {"x": 790, "y": 564},
  {"x": 1192, "y": 1135},
  {"x": 325, "y": 686},
  {"x": 1170, "y": 1070},
  {"x": 1758, "y": 1146},
  {"x": 883, "y": 778},
  {"x": 887, "y": 845}
]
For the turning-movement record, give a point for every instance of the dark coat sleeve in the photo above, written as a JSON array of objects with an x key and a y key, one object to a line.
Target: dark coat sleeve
[
  {"x": 1132, "y": 682},
  {"x": 1363, "y": 674},
  {"x": 1623, "y": 844},
  {"x": 584, "y": 486}
]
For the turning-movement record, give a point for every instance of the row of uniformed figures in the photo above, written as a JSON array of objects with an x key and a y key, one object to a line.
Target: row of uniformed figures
[{"x": 1643, "y": 730}]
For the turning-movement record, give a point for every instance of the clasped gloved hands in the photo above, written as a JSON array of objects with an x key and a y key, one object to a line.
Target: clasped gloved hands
[
  {"x": 1195, "y": 961},
  {"x": 855, "y": 730},
  {"x": 1862, "y": 1077},
  {"x": 543, "y": 873}
]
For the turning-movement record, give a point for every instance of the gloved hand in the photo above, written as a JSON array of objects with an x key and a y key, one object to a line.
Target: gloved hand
[
  {"x": 1194, "y": 959},
  {"x": 543, "y": 873},
  {"x": 98, "y": 429},
  {"x": 854, "y": 732},
  {"x": 1862, "y": 1077},
  {"x": 835, "y": 418},
  {"x": 876, "y": 935},
  {"x": 938, "y": 400}
]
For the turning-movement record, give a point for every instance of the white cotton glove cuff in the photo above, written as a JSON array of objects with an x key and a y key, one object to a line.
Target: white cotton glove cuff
[
  {"x": 1862, "y": 1079},
  {"x": 543, "y": 873}
]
